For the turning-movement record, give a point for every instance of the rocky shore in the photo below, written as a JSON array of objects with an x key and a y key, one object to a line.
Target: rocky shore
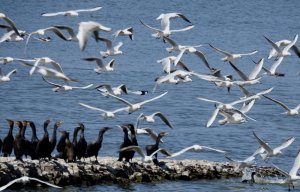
[{"x": 110, "y": 171}]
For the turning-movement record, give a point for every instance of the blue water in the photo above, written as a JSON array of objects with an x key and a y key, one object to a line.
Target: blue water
[{"x": 237, "y": 26}]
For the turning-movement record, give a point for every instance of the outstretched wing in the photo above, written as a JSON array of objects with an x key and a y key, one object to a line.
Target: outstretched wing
[
  {"x": 163, "y": 118},
  {"x": 50, "y": 184}
]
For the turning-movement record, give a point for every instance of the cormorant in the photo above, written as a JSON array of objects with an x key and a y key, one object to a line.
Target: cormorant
[
  {"x": 7, "y": 145},
  {"x": 27, "y": 142},
  {"x": 61, "y": 144},
  {"x": 126, "y": 142},
  {"x": 19, "y": 142},
  {"x": 74, "y": 142},
  {"x": 69, "y": 152},
  {"x": 82, "y": 144},
  {"x": 94, "y": 147},
  {"x": 133, "y": 139},
  {"x": 34, "y": 141},
  {"x": 52, "y": 141},
  {"x": 42, "y": 146},
  {"x": 152, "y": 148}
]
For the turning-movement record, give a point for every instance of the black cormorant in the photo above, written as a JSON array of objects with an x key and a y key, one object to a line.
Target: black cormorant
[
  {"x": 152, "y": 148},
  {"x": 7, "y": 145}
]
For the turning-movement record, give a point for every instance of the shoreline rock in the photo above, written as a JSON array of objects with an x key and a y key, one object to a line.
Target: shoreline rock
[{"x": 110, "y": 171}]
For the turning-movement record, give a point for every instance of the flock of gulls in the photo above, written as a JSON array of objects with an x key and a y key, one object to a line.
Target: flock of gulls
[{"x": 174, "y": 71}]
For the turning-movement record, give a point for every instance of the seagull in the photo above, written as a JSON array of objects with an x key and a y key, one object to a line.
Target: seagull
[
  {"x": 40, "y": 32},
  {"x": 195, "y": 148},
  {"x": 49, "y": 72},
  {"x": 45, "y": 60},
  {"x": 229, "y": 107},
  {"x": 253, "y": 74},
  {"x": 6, "y": 60},
  {"x": 86, "y": 29},
  {"x": 272, "y": 71},
  {"x": 105, "y": 114},
  {"x": 248, "y": 162},
  {"x": 4, "y": 78},
  {"x": 110, "y": 49},
  {"x": 26, "y": 179},
  {"x": 58, "y": 87},
  {"x": 292, "y": 175},
  {"x": 285, "y": 42},
  {"x": 269, "y": 152},
  {"x": 145, "y": 158},
  {"x": 12, "y": 36},
  {"x": 107, "y": 90},
  {"x": 290, "y": 112},
  {"x": 134, "y": 107},
  {"x": 165, "y": 32},
  {"x": 71, "y": 13},
  {"x": 101, "y": 68},
  {"x": 10, "y": 23},
  {"x": 168, "y": 61},
  {"x": 231, "y": 56},
  {"x": 285, "y": 51},
  {"x": 150, "y": 118},
  {"x": 124, "y": 32},
  {"x": 149, "y": 132}
]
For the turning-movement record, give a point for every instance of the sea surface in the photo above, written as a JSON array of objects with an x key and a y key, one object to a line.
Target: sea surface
[{"x": 236, "y": 26}]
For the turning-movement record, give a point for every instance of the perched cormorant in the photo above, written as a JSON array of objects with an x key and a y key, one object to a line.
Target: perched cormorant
[
  {"x": 94, "y": 147},
  {"x": 82, "y": 144},
  {"x": 27, "y": 144},
  {"x": 152, "y": 148},
  {"x": 52, "y": 141},
  {"x": 133, "y": 139},
  {"x": 126, "y": 142},
  {"x": 34, "y": 142},
  {"x": 61, "y": 143},
  {"x": 42, "y": 146},
  {"x": 7, "y": 145},
  {"x": 1, "y": 144},
  {"x": 69, "y": 152},
  {"x": 74, "y": 142},
  {"x": 19, "y": 142}
]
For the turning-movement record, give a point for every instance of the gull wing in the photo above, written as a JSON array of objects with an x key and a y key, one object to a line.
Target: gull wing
[
  {"x": 107, "y": 42},
  {"x": 183, "y": 66},
  {"x": 281, "y": 171},
  {"x": 67, "y": 28},
  {"x": 11, "y": 72},
  {"x": 171, "y": 41},
  {"x": 151, "y": 133},
  {"x": 111, "y": 63},
  {"x": 163, "y": 151},
  {"x": 6, "y": 36},
  {"x": 179, "y": 56},
  {"x": 276, "y": 64},
  {"x": 184, "y": 17},
  {"x": 149, "y": 100},
  {"x": 134, "y": 148},
  {"x": 152, "y": 28},
  {"x": 202, "y": 57},
  {"x": 93, "y": 108},
  {"x": 98, "y": 61},
  {"x": 241, "y": 74},
  {"x": 212, "y": 118},
  {"x": 251, "y": 53},
  {"x": 51, "y": 83},
  {"x": 273, "y": 44},
  {"x": 107, "y": 87},
  {"x": 163, "y": 118},
  {"x": 88, "y": 10},
  {"x": 291, "y": 43},
  {"x": 53, "y": 14},
  {"x": 296, "y": 166},
  {"x": 214, "y": 149},
  {"x": 247, "y": 107},
  {"x": 278, "y": 102},
  {"x": 284, "y": 145},
  {"x": 181, "y": 151},
  {"x": 221, "y": 51},
  {"x": 118, "y": 46},
  {"x": 263, "y": 144},
  {"x": 50, "y": 184},
  {"x": 256, "y": 69},
  {"x": 183, "y": 29},
  {"x": 84, "y": 87},
  {"x": 296, "y": 50},
  {"x": 121, "y": 99},
  {"x": 166, "y": 63},
  {"x": 12, "y": 24},
  {"x": 10, "y": 183},
  {"x": 209, "y": 100}
]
